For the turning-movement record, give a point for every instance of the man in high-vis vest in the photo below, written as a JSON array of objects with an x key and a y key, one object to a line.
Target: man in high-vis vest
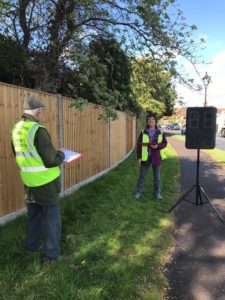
[
  {"x": 39, "y": 162},
  {"x": 150, "y": 151}
]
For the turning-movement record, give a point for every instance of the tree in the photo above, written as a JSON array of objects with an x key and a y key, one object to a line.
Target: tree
[
  {"x": 12, "y": 61},
  {"x": 54, "y": 36},
  {"x": 103, "y": 75},
  {"x": 152, "y": 86},
  {"x": 53, "y": 30}
]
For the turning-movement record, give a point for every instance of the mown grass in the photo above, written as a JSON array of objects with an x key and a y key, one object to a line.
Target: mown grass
[
  {"x": 113, "y": 247},
  {"x": 216, "y": 154}
]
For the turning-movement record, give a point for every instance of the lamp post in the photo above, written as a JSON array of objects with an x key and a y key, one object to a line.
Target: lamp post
[{"x": 206, "y": 80}]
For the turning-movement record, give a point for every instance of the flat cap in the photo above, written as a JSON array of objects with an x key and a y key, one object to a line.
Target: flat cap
[{"x": 31, "y": 102}]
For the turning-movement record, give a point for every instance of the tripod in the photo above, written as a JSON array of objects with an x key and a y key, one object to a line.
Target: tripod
[{"x": 198, "y": 193}]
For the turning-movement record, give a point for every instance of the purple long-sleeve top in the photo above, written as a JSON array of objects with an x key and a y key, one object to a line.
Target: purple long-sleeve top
[{"x": 155, "y": 153}]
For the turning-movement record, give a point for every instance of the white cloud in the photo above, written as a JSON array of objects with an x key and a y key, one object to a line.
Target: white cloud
[{"x": 216, "y": 89}]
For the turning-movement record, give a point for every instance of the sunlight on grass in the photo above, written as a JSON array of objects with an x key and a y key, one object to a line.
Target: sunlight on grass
[
  {"x": 216, "y": 154},
  {"x": 170, "y": 152},
  {"x": 91, "y": 293},
  {"x": 113, "y": 246},
  {"x": 165, "y": 223}
]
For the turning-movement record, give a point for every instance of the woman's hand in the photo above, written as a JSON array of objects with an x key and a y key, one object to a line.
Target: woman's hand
[{"x": 153, "y": 146}]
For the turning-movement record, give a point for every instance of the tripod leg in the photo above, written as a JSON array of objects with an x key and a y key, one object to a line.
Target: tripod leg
[
  {"x": 216, "y": 212},
  {"x": 200, "y": 195},
  {"x": 181, "y": 198},
  {"x": 198, "y": 192}
]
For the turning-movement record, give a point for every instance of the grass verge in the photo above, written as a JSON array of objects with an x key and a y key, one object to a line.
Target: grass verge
[
  {"x": 113, "y": 247},
  {"x": 217, "y": 154}
]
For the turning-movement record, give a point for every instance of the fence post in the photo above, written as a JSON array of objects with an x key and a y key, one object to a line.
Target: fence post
[
  {"x": 61, "y": 137},
  {"x": 110, "y": 153},
  {"x": 126, "y": 133}
]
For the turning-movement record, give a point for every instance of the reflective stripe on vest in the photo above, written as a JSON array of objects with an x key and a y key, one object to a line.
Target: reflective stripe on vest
[
  {"x": 144, "y": 149},
  {"x": 27, "y": 154},
  {"x": 32, "y": 170},
  {"x": 162, "y": 151}
]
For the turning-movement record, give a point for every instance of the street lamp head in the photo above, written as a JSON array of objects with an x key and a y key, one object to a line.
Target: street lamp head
[{"x": 206, "y": 79}]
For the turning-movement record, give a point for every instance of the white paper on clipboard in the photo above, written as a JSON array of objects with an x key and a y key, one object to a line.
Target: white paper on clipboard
[{"x": 70, "y": 155}]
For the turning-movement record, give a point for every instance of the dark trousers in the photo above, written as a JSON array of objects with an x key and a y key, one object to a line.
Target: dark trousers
[
  {"x": 48, "y": 219},
  {"x": 156, "y": 177}
]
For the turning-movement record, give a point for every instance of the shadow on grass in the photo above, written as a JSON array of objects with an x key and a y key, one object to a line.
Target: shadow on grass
[{"x": 113, "y": 247}]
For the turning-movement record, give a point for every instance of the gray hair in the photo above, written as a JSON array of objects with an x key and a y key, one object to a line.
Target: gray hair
[{"x": 32, "y": 112}]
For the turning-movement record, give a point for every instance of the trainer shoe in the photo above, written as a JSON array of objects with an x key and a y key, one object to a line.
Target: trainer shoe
[
  {"x": 137, "y": 196},
  {"x": 158, "y": 196}
]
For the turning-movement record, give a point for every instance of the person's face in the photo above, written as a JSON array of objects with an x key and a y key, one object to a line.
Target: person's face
[
  {"x": 151, "y": 122},
  {"x": 40, "y": 115}
]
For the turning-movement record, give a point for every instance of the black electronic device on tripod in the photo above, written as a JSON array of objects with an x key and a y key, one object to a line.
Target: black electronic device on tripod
[{"x": 200, "y": 134}]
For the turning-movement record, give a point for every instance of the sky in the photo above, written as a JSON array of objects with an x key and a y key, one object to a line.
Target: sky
[{"x": 209, "y": 16}]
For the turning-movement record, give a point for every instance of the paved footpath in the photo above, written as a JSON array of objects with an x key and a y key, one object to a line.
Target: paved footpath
[{"x": 197, "y": 267}]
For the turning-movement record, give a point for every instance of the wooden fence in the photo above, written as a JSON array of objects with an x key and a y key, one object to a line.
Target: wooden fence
[{"x": 102, "y": 143}]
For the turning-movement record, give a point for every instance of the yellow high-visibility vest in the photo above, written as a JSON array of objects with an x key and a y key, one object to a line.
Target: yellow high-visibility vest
[
  {"x": 32, "y": 170},
  {"x": 145, "y": 149}
]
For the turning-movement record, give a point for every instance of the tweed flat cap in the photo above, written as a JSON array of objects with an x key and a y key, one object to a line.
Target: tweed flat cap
[{"x": 31, "y": 102}]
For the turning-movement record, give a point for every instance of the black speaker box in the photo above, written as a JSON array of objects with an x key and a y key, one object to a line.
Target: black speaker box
[{"x": 201, "y": 127}]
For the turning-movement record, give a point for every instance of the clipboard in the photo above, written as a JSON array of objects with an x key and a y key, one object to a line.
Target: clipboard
[{"x": 70, "y": 156}]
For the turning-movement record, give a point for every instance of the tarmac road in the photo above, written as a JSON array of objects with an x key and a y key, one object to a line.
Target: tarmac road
[
  {"x": 196, "y": 270},
  {"x": 220, "y": 143}
]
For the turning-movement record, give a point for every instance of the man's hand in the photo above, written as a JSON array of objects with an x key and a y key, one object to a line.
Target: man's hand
[{"x": 139, "y": 161}]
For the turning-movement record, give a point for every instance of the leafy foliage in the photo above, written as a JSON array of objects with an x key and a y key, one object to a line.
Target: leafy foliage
[
  {"x": 103, "y": 76},
  {"x": 12, "y": 60},
  {"x": 58, "y": 39},
  {"x": 152, "y": 86}
]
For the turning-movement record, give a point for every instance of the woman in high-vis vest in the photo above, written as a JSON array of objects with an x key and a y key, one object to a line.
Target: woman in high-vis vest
[
  {"x": 150, "y": 151},
  {"x": 38, "y": 162}
]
